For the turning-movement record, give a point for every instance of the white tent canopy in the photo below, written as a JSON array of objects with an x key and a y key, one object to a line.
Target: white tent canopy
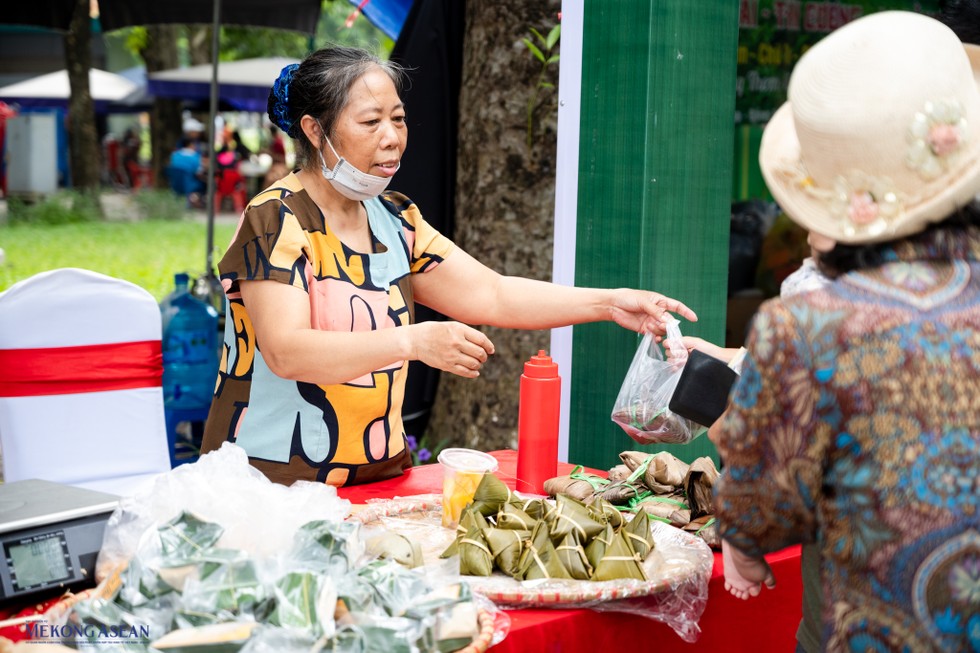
[{"x": 53, "y": 89}]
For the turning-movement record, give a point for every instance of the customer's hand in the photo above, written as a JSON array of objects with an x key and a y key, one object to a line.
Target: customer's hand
[
  {"x": 744, "y": 575},
  {"x": 646, "y": 312},
  {"x": 721, "y": 353},
  {"x": 451, "y": 347}
]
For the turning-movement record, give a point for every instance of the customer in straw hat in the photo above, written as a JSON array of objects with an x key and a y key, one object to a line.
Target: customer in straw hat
[{"x": 856, "y": 421}]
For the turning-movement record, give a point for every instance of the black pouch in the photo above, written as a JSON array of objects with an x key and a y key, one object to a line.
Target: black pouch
[{"x": 702, "y": 391}]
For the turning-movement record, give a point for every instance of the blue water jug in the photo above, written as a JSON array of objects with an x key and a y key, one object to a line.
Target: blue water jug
[
  {"x": 181, "y": 285},
  {"x": 190, "y": 348}
]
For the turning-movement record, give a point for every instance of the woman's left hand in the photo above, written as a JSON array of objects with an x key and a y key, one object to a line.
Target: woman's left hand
[{"x": 645, "y": 311}]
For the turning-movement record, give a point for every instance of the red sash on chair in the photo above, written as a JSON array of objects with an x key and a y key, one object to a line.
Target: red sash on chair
[{"x": 75, "y": 370}]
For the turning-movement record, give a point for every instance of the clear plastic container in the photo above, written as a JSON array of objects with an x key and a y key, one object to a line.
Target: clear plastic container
[{"x": 462, "y": 471}]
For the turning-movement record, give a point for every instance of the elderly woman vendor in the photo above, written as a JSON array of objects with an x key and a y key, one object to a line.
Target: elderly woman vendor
[{"x": 322, "y": 276}]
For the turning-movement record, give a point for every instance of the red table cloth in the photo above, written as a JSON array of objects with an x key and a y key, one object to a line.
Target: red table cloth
[{"x": 767, "y": 622}]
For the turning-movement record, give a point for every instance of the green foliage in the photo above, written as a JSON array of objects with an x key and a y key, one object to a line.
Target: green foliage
[
  {"x": 135, "y": 39},
  {"x": 250, "y": 42},
  {"x": 246, "y": 42},
  {"x": 160, "y": 205},
  {"x": 145, "y": 252},
  {"x": 333, "y": 29},
  {"x": 542, "y": 51},
  {"x": 65, "y": 207}
]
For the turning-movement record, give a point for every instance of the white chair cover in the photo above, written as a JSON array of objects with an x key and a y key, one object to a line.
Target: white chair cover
[{"x": 81, "y": 401}]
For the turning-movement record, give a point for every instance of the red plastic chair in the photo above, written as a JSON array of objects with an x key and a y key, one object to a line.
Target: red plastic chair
[
  {"x": 230, "y": 184},
  {"x": 141, "y": 176},
  {"x": 115, "y": 174}
]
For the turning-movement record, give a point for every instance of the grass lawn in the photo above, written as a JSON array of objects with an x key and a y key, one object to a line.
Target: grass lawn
[{"x": 146, "y": 252}]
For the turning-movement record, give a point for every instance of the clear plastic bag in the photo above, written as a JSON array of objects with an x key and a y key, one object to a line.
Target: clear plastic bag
[
  {"x": 642, "y": 406},
  {"x": 216, "y": 554},
  {"x": 223, "y": 488}
]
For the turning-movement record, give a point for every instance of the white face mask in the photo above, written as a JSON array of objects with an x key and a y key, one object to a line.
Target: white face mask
[{"x": 349, "y": 181}]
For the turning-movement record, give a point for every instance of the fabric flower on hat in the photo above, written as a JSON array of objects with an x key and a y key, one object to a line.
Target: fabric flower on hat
[
  {"x": 936, "y": 134},
  {"x": 864, "y": 204}
]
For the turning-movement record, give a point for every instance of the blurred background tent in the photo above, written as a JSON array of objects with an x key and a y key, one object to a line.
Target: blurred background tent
[
  {"x": 53, "y": 90},
  {"x": 296, "y": 15},
  {"x": 242, "y": 84}
]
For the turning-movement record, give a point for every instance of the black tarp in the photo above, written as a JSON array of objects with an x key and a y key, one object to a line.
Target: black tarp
[
  {"x": 52, "y": 14},
  {"x": 431, "y": 48},
  {"x": 297, "y": 15}
]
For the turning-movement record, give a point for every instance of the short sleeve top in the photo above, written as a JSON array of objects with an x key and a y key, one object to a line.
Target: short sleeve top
[{"x": 339, "y": 434}]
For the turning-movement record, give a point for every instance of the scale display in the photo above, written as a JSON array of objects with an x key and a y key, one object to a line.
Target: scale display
[
  {"x": 50, "y": 536},
  {"x": 38, "y": 561}
]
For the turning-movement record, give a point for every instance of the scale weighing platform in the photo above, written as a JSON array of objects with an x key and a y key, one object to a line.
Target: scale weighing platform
[{"x": 50, "y": 536}]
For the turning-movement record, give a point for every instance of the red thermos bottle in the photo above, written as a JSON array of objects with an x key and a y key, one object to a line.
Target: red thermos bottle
[{"x": 537, "y": 424}]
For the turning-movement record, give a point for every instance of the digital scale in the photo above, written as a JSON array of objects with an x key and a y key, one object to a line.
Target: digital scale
[{"x": 50, "y": 536}]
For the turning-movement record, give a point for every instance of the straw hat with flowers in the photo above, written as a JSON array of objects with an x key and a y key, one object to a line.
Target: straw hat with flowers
[{"x": 881, "y": 133}]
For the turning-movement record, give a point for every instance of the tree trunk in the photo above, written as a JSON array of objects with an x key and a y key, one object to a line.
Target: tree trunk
[
  {"x": 505, "y": 201},
  {"x": 199, "y": 44},
  {"x": 159, "y": 54},
  {"x": 83, "y": 140}
]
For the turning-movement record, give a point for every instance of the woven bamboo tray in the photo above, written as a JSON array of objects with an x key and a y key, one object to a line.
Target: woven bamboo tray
[
  {"x": 679, "y": 558},
  {"x": 484, "y": 639}
]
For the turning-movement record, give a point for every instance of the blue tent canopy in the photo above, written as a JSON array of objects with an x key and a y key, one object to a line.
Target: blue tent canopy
[
  {"x": 243, "y": 84},
  {"x": 386, "y": 15}
]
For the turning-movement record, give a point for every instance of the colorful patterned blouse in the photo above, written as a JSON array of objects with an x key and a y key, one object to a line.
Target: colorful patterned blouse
[
  {"x": 339, "y": 434},
  {"x": 856, "y": 423}
]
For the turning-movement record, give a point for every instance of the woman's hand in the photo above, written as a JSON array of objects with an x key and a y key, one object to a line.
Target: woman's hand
[
  {"x": 451, "y": 347},
  {"x": 646, "y": 312}
]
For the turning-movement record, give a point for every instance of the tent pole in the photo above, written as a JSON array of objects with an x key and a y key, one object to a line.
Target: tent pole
[{"x": 212, "y": 111}]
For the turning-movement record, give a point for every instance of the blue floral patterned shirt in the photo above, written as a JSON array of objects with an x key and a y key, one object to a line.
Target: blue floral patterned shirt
[{"x": 856, "y": 424}]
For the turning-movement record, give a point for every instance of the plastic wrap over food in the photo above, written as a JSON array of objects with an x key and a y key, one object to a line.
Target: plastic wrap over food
[
  {"x": 221, "y": 487},
  {"x": 677, "y": 569},
  {"x": 214, "y": 556},
  {"x": 186, "y": 589}
]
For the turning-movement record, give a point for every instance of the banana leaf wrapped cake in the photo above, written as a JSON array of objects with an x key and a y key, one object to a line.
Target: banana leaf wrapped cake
[
  {"x": 495, "y": 533},
  {"x": 562, "y": 560},
  {"x": 659, "y": 486},
  {"x": 331, "y": 591}
]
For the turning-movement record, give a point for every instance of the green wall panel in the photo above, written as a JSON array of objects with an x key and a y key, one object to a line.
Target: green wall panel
[{"x": 655, "y": 184}]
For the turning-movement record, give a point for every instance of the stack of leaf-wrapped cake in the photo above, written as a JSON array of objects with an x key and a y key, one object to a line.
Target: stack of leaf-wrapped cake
[
  {"x": 536, "y": 538},
  {"x": 659, "y": 485}
]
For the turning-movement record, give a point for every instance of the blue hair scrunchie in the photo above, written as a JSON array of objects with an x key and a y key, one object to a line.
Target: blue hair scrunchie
[{"x": 279, "y": 100}]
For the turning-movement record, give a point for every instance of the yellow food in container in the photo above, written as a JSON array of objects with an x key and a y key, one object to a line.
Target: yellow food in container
[{"x": 463, "y": 469}]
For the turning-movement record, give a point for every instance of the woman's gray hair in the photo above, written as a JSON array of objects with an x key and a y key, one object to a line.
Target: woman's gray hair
[{"x": 321, "y": 86}]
